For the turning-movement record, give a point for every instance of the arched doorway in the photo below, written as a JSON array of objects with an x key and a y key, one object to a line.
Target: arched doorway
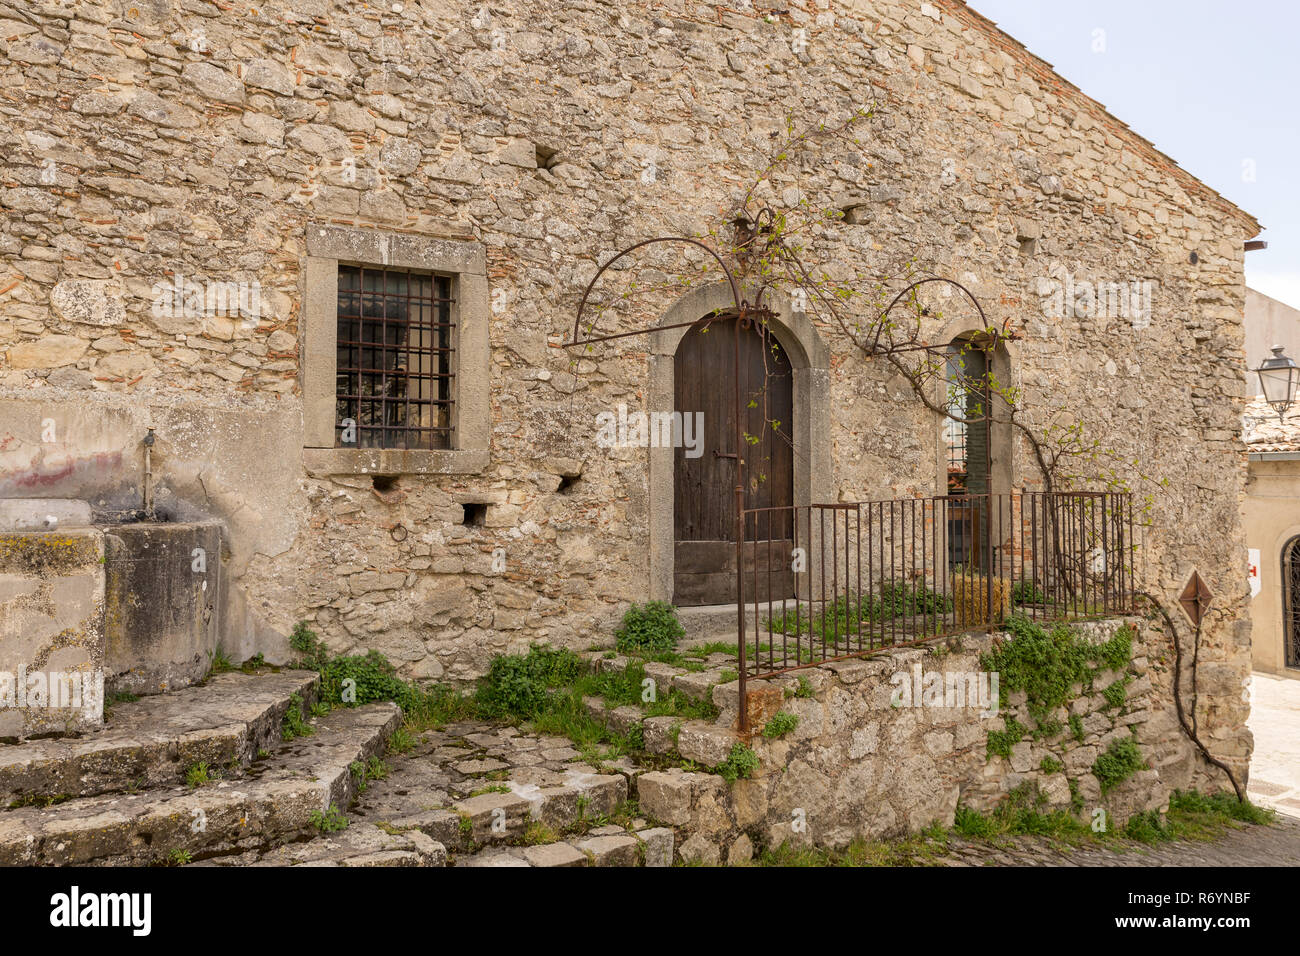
[
  {"x": 1291, "y": 601},
  {"x": 704, "y": 477}
]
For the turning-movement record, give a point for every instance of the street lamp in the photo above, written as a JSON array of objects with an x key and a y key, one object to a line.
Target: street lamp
[{"x": 1278, "y": 377}]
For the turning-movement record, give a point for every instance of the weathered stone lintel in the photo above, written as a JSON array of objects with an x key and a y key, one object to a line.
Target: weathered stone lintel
[{"x": 378, "y": 247}]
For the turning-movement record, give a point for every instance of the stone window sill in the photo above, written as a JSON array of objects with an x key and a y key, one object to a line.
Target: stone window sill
[{"x": 322, "y": 462}]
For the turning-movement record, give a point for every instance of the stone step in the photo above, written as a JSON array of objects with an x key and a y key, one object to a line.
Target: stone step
[
  {"x": 149, "y": 743},
  {"x": 360, "y": 844},
  {"x": 699, "y": 805},
  {"x": 703, "y": 742},
  {"x": 712, "y": 622},
  {"x": 506, "y": 817},
  {"x": 697, "y": 684},
  {"x": 269, "y": 804},
  {"x": 603, "y": 846},
  {"x": 621, "y": 720}
]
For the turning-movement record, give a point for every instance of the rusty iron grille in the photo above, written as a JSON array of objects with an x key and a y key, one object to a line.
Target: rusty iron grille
[
  {"x": 1291, "y": 601},
  {"x": 396, "y": 359},
  {"x": 954, "y": 434},
  {"x": 876, "y": 574}
]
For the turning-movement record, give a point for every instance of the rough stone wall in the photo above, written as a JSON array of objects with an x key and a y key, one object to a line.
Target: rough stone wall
[
  {"x": 879, "y": 752},
  {"x": 149, "y": 140}
]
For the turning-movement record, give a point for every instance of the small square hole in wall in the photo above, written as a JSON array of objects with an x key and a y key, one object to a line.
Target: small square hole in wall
[
  {"x": 856, "y": 215},
  {"x": 387, "y": 489},
  {"x": 566, "y": 483},
  {"x": 547, "y": 156},
  {"x": 1028, "y": 247},
  {"x": 474, "y": 512}
]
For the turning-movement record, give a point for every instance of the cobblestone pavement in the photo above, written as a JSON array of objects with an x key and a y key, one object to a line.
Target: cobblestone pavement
[
  {"x": 1275, "y": 722},
  {"x": 1277, "y": 845}
]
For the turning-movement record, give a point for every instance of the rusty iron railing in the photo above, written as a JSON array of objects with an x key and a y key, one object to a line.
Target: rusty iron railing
[{"x": 858, "y": 577}]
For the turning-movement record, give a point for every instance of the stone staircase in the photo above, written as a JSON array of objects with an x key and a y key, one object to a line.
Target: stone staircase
[
  {"x": 149, "y": 743},
  {"x": 707, "y": 814},
  {"x": 707, "y": 743},
  {"x": 120, "y": 797},
  {"x": 208, "y": 776},
  {"x": 494, "y": 796}
]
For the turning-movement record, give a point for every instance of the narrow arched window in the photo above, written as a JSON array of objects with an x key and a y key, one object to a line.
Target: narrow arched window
[
  {"x": 966, "y": 430},
  {"x": 1291, "y": 601}
]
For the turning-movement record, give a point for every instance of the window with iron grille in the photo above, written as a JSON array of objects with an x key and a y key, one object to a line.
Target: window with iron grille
[
  {"x": 968, "y": 398},
  {"x": 396, "y": 361},
  {"x": 396, "y": 365}
]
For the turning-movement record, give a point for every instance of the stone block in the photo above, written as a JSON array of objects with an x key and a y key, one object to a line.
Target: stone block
[
  {"x": 623, "y": 720},
  {"x": 496, "y": 817},
  {"x": 669, "y": 796},
  {"x": 555, "y": 854},
  {"x": 658, "y": 844},
  {"x": 706, "y": 744},
  {"x": 657, "y": 733},
  {"x": 611, "y": 850},
  {"x": 697, "y": 849},
  {"x": 52, "y": 648}
]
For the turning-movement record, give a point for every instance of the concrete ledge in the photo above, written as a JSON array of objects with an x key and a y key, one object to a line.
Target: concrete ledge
[
  {"x": 41, "y": 514},
  {"x": 52, "y": 647}
]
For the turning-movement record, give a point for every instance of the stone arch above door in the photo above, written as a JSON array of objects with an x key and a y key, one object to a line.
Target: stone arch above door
[{"x": 810, "y": 361}]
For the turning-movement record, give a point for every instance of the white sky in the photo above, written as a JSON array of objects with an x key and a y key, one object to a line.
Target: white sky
[{"x": 1212, "y": 83}]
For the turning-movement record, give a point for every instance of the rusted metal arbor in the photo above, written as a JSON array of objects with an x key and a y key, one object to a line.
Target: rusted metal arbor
[{"x": 747, "y": 316}]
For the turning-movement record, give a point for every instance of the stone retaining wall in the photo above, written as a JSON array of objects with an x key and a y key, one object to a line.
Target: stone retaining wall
[{"x": 860, "y": 765}]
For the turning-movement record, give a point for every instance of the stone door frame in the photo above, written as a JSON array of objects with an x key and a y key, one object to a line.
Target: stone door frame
[{"x": 810, "y": 362}]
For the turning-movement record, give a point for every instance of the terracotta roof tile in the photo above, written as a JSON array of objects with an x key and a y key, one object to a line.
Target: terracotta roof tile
[{"x": 1263, "y": 431}]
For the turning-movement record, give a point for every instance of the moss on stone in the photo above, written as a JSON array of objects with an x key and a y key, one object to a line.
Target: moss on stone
[{"x": 47, "y": 554}]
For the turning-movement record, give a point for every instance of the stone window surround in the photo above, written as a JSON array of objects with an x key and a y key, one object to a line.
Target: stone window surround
[{"x": 327, "y": 247}]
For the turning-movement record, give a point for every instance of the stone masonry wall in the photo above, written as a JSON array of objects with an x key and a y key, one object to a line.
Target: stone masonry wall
[
  {"x": 865, "y": 761},
  {"x": 149, "y": 140}
]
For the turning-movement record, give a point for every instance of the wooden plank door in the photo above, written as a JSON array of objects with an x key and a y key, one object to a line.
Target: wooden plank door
[{"x": 704, "y": 498}]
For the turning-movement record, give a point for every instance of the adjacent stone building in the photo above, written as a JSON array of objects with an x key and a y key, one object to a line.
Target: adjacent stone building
[{"x": 196, "y": 195}]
